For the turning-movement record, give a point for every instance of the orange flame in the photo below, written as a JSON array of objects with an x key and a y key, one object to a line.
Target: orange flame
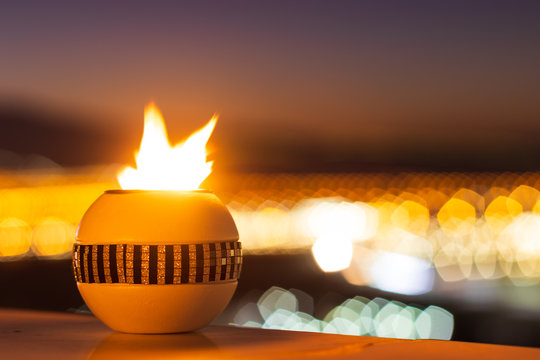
[{"x": 161, "y": 166}]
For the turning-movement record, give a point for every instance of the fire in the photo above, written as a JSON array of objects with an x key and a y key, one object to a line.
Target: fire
[{"x": 161, "y": 166}]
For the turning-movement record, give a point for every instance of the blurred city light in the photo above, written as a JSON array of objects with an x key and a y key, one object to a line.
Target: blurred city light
[
  {"x": 401, "y": 274},
  {"x": 457, "y": 226},
  {"x": 332, "y": 253},
  {"x": 357, "y": 316},
  {"x": 15, "y": 237}
]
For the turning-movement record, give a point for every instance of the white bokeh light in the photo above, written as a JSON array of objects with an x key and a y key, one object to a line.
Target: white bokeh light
[
  {"x": 332, "y": 253},
  {"x": 401, "y": 274}
]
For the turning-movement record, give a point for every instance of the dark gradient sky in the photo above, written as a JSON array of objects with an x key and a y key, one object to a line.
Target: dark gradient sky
[{"x": 356, "y": 70}]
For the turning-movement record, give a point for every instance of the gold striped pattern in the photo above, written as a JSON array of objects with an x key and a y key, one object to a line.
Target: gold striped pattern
[{"x": 157, "y": 264}]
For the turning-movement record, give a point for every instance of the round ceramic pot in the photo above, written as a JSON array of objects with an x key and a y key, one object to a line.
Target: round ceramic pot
[{"x": 157, "y": 261}]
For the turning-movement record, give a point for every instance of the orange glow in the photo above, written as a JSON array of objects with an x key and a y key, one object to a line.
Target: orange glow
[
  {"x": 457, "y": 217},
  {"x": 501, "y": 211},
  {"x": 16, "y": 237},
  {"x": 161, "y": 166},
  {"x": 411, "y": 216},
  {"x": 53, "y": 236}
]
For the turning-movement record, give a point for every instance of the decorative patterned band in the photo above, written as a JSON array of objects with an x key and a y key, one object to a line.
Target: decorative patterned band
[{"x": 157, "y": 264}]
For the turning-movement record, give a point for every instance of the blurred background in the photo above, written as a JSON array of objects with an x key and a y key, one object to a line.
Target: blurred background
[{"x": 381, "y": 159}]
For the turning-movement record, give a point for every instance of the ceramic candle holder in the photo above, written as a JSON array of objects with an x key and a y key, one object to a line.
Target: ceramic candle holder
[{"x": 157, "y": 261}]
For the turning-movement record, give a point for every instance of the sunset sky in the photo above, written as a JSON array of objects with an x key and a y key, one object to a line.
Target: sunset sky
[{"x": 372, "y": 71}]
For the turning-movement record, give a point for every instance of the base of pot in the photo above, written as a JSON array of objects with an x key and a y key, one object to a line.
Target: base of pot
[{"x": 157, "y": 309}]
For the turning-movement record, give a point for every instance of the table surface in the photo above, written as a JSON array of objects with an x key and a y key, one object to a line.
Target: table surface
[{"x": 41, "y": 335}]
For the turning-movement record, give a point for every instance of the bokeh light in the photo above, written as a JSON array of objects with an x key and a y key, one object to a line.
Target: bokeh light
[
  {"x": 451, "y": 225},
  {"x": 53, "y": 236},
  {"x": 401, "y": 274},
  {"x": 332, "y": 253},
  {"x": 356, "y": 316},
  {"x": 15, "y": 235}
]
